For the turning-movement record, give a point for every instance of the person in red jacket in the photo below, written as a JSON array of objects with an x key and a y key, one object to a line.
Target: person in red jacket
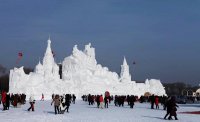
[
  {"x": 3, "y": 99},
  {"x": 157, "y": 102},
  {"x": 101, "y": 101}
]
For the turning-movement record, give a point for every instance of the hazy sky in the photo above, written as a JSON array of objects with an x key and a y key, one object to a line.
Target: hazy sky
[{"x": 162, "y": 37}]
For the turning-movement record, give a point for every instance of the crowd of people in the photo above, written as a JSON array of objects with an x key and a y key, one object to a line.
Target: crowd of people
[
  {"x": 168, "y": 103},
  {"x": 62, "y": 102},
  {"x": 16, "y": 100}
]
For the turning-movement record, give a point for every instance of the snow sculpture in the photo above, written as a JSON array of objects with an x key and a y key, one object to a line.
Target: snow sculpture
[
  {"x": 81, "y": 74},
  {"x": 39, "y": 69},
  {"x": 125, "y": 76},
  {"x": 44, "y": 79}
]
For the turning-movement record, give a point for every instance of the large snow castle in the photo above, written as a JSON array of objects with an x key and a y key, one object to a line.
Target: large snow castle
[{"x": 81, "y": 74}]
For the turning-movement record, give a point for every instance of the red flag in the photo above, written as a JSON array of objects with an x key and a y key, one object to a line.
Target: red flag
[{"x": 20, "y": 55}]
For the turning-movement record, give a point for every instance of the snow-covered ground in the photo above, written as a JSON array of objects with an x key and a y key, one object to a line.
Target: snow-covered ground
[{"x": 82, "y": 112}]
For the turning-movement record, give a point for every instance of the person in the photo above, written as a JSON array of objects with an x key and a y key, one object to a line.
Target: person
[
  {"x": 152, "y": 100},
  {"x": 52, "y": 96},
  {"x": 90, "y": 99},
  {"x": 56, "y": 102},
  {"x": 106, "y": 100},
  {"x": 97, "y": 100},
  {"x": 0, "y": 98},
  {"x": 168, "y": 106},
  {"x": 141, "y": 99},
  {"x": 116, "y": 100},
  {"x": 32, "y": 102},
  {"x": 67, "y": 102},
  {"x": 128, "y": 99},
  {"x": 15, "y": 100},
  {"x": 157, "y": 102},
  {"x": 42, "y": 99},
  {"x": 131, "y": 100},
  {"x": 7, "y": 101},
  {"x": 101, "y": 101},
  {"x": 164, "y": 100},
  {"x": 62, "y": 106},
  {"x": 3, "y": 99},
  {"x": 173, "y": 106},
  {"x": 73, "y": 98}
]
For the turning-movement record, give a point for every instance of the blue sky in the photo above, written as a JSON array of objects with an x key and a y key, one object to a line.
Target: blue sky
[{"x": 162, "y": 37}]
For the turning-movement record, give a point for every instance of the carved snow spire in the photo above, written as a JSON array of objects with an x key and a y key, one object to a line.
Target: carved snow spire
[
  {"x": 39, "y": 68},
  {"x": 125, "y": 75},
  {"x": 48, "y": 50},
  {"x": 124, "y": 62},
  {"x": 48, "y": 60}
]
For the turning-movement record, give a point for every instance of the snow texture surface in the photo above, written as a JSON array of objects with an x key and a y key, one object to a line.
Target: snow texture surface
[{"x": 82, "y": 112}]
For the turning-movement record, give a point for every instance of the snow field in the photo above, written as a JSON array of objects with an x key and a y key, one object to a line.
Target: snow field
[{"x": 82, "y": 112}]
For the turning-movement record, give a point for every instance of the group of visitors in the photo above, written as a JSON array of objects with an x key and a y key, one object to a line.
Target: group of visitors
[
  {"x": 102, "y": 102},
  {"x": 171, "y": 108},
  {"x": 62, "y": 103},
  {"x": 14, "y": 99},
  {"x": 169, "y": 104},
  {"x": 120, "y": 99}
]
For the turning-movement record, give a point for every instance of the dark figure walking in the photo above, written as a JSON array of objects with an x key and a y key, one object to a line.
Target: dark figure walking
[
  {"x": 128, "y": 99},
  {"x": 168, "y": 107},
  {"x": 152, "y": 100},
  {"x": 73, "y": 98},
  {"x": 98, "y": 101},
  {"x": 173, "y": 106},
  {"x": 132, "y": 100},
  {"x": 67, "y": 101},
  {"x": 164, "y": 101},
  {"x": 7, "y": 101},
  {"x": 32, "y": 102},
  {"x": 106, "y": 100},
  {"x": 116, "y": 100}
]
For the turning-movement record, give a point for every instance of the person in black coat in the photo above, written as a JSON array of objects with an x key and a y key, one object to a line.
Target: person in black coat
[
  {"x": 98, "y": 101},
  {"x": 152, "y": 100},
  {"x": 67, "y": 101},
  {"x": 132, "y": 100},
  {"x": 168, "y": 106},
  {"x": 128, "y": 99},
  {"x": 173, "y": 108},
  {"x": 106, "y": 100},
  {"x": 73, "y": 98},
  {"x": 90, "y": 99},
  {"x": 7, "y": 101}
]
